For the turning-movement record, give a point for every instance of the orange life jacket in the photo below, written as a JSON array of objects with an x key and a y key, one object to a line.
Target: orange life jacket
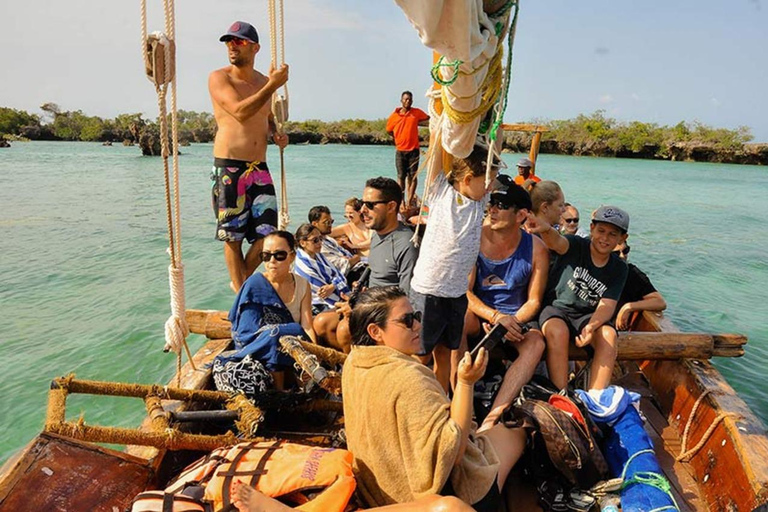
[
  {"x": 314, "y": 479},
  {"x": 160, "y": 501}
]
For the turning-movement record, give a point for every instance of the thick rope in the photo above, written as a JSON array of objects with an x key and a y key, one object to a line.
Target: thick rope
[
  {"x": 686, "y": 455},
  {"x": 279, "y": 101},
  {"x": 176, "y": 329}
]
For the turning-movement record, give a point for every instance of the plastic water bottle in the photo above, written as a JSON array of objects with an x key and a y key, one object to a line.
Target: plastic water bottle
[{"x": 610, "y": 503}]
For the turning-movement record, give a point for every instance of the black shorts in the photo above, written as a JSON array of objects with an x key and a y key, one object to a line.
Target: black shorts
[
  {"x": 407, "y": 163},
  {"x": 243, "y": 200},
  {"x": 575, "y": 323},
  {"x": 442, "y": 320},
  {"x": 488, "y": 503}
]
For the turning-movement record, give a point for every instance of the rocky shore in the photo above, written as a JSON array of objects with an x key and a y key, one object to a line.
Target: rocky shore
[{"x": 749, "y": 154}]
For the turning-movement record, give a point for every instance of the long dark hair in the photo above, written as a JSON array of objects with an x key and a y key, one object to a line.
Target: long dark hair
[{"x": 372, "y": 307}]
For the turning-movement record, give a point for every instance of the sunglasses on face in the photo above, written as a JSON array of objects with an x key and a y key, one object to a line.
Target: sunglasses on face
[
  {"x": 278, "y": 255},
  {"x": 623, "y": 251},
  {"x": 499, "y": 205},
  {"x": 576, "y": 220},
  {"x": 235, "y": 41},
  {"x": 409, "y": 318},
  {"x": 371, "y": 204},
  {"x": 314, "y": 240}
]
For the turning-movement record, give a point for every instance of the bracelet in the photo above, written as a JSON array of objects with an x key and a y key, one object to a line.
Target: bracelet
[{"x": 495, "y": 316}]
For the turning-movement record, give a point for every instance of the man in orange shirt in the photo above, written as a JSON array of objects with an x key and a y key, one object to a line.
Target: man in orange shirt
[
  {"x": 525, "y": 172},
  {"x": 404, "y": 124}
]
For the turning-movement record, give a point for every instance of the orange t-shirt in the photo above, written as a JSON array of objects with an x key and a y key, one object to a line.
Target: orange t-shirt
[
  {"x": 405, "y": 127},
  {"x": 520, "y": 180}
]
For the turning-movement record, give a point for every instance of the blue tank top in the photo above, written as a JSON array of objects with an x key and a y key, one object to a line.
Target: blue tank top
[{"x": 504, "y": 284}]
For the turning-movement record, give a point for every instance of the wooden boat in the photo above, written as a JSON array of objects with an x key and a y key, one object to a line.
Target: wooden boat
[{"x": 728, "y": 471}]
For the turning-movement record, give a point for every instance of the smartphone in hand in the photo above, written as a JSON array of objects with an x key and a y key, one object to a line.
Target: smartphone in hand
[{"x": 490, "y": 340}]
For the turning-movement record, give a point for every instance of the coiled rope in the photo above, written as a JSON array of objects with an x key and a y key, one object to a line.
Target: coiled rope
[
  {"x": 176, "y": 329},
  {"x": 279, "y": 101},
  {"x": 686, "y": 455}
]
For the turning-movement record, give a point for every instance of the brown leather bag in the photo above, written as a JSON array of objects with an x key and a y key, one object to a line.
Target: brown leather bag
[{"x": 571, "y": 447}]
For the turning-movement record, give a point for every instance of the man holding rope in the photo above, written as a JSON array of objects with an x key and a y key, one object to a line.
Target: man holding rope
[{"x": 243, "y": 194}]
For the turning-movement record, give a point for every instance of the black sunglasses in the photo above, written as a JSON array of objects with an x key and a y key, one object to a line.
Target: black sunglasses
[
  {"x": 409, "y": 318},
  {"x": 623, "y": 251},
  {"x": 576, "y": 219},
  {"x": 495, "y": 203},
  {"x": 370, "y": 204},
  {"x": 278, "y": 255}
]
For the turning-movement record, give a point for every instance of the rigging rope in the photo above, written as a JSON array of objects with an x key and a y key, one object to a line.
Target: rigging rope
[
  {"x": 279, "y": 101},
  {"x": 161, "y": 71},
  {"x": 685, "y": 455}
]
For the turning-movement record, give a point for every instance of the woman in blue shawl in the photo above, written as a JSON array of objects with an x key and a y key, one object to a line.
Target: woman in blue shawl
[{"x": 272, "y": 304}]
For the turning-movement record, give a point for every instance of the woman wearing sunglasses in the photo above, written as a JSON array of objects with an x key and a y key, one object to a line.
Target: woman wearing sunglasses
[
  {"x": 409, "y": 440},
  {"x": 329, "y": 286},
  {"x": 354, "y": 235},
  {"x": 276, "y": 297}
]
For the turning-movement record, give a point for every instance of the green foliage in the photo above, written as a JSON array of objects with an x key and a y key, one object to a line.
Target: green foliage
[
  {"x": 12, "y": 121},
  {"x": 585, "y": 134}
]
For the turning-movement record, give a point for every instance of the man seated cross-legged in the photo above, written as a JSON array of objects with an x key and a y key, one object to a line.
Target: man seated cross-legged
[{"x": 506, "y": 286}]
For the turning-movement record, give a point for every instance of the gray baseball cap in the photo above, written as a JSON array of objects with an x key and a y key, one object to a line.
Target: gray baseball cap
[
  {"x": 524, "y": 162},
  {"x": 612, "y": 215}
]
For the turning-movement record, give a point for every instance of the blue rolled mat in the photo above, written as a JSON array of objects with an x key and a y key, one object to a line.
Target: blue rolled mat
[{"x": 628, "y": 438}]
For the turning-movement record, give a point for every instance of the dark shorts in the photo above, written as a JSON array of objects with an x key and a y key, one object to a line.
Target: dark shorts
[
  {"x": 488, "y": 503},
  {"x": 442, "y": 320},
  {"x": 243, "y": 200},
  {"x": 575, "y": 323},
  {"x": 407, "y": 163}
]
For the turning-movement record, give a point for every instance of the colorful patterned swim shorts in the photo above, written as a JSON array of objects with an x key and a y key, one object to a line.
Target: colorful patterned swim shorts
[{"x": 243, "y": 199}]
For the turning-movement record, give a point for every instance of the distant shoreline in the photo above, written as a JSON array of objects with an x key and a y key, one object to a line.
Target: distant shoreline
[{"x": 585, "y": 135}]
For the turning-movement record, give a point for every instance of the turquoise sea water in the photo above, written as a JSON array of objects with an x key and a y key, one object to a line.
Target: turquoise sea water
[{"x": 83, "y": 267}]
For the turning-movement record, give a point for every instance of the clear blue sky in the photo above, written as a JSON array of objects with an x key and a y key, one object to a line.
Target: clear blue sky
[{"x": 650, "y": 61}]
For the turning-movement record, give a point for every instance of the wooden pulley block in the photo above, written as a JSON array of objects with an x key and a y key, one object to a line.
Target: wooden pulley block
[
  {"x": 155, "y": 68},
  {"x": 280, "y": 108}
]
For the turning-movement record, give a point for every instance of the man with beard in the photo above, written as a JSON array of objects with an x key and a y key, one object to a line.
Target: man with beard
[
  {"x": 393, "y": 255},
  {"x": 243, "y": 194}
]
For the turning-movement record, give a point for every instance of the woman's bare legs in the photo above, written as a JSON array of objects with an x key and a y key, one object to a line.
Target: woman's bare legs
[
  {"x": 509, "y": 444},
  {"x": 248, "y": 499}
]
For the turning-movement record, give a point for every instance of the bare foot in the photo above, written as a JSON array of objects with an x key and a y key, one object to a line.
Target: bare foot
[{"x": 248, "y": 499}]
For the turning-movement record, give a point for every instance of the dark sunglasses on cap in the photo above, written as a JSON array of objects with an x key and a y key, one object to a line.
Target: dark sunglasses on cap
[
  {"x": 409, "y": 318},
  {"x": 495, "y": 203},
  {"x": 371, "y": 204},
  {"x": 575, "y": 219},
  {"x": 236, "y": 41},
  {"x": 278, "y": 255}
]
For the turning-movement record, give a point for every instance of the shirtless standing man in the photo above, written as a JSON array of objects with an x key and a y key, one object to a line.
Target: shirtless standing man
[{"x": 243, "y": 194}]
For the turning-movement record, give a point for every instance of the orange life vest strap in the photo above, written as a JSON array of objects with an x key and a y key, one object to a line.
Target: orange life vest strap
[{"x": 254, "y": 474}]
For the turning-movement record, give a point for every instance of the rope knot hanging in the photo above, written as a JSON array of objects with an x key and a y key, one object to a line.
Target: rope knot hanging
[{"x": 159, "y": 52}]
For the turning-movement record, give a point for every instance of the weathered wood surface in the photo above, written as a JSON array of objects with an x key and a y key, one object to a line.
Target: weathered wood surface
[
  {"x": 731, "y": 468},
  {"x": 76, "y": 476},
  {"x": 632, "y": 346},
  {"x": 190, "y": 379}
]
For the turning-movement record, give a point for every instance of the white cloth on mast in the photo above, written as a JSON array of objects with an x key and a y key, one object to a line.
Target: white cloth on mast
[{"x": 456, "y": 29}]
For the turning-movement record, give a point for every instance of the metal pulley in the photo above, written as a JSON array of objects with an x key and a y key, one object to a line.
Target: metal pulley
[{"x": 155, "y": 68}]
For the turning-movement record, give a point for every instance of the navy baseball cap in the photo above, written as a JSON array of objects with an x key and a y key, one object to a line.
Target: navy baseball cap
[{"x": 241, "y": 30}]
